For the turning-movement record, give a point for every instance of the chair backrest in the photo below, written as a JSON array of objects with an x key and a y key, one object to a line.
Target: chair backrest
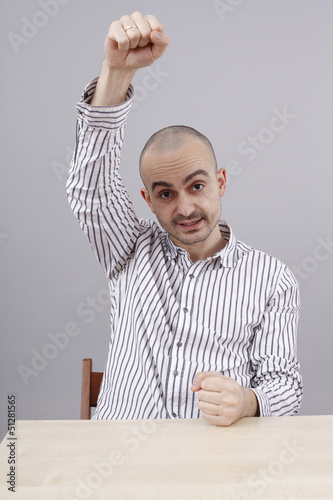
[{"x": 91, "y": 382}]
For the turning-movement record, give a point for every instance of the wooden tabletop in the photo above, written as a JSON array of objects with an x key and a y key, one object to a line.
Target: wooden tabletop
[{"x": 256, "y": 458}]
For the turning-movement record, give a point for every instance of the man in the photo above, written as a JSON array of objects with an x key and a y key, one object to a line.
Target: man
[{"x": 202, "y": 325}]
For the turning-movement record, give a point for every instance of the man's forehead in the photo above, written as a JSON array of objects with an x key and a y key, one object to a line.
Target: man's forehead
[
  {"x": 184, "y": 180},
  {"x": 181, "y": 161}
]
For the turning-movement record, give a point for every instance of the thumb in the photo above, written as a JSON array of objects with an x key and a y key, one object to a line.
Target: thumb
[
  {"x": 197, "y": 380},
  {"x": 160, "y": 42}
]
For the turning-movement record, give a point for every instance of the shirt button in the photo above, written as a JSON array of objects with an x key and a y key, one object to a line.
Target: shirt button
[
  {"x": 191, "y": 276},
  {"x": 179, "y": 344},
  {"x": 175, "y": 373},
  {"x": 185, "y": 309},
  {"x": 174, "y": 415}
]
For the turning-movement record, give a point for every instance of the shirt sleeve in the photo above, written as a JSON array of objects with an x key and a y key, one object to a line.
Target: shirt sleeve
[
  {"x": 277, "y": 381},
  {"x": 94, "y": 187}
]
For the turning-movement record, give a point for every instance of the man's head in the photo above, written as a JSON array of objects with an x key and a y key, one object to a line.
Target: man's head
[{"x": 183, "y": 187}]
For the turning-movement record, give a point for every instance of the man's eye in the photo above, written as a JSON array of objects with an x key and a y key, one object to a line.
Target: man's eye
[
  {"x": 165, "y": 194},
  {"x": 197, "y": 187}
]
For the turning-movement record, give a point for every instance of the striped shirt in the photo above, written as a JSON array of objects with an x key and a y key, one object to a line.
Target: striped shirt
[{"x": 235, "y": 312}]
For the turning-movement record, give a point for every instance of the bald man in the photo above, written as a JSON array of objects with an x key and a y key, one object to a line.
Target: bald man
[{"x": 202, "y": 325}]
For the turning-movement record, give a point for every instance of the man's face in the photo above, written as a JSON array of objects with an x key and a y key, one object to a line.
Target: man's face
[{"x": 183, "y": 189}]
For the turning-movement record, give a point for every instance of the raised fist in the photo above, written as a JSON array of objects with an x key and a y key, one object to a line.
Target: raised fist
[{"x": 134, "y": 42}]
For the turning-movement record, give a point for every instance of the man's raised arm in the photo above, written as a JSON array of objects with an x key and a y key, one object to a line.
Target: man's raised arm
[
  {"x": 133, "y": 42},
  {"x": 94, "y": 187}
]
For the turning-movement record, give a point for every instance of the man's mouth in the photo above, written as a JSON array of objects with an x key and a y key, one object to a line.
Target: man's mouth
[{"x": 194, "y": 224}]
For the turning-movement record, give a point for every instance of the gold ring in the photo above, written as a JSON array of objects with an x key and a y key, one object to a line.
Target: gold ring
[{"x": 133, "y": 26}]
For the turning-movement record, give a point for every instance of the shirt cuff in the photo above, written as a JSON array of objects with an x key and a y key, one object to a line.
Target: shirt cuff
[
  {"x": 263, "y": 402},
  {"x": 107, "y": 117}
]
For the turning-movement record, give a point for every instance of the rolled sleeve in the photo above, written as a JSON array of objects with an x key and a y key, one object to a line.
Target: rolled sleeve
[
  {"x": 277, "y": 381},
  {"x": 103, "y": 117},
  {"x": 263, "y": 402}
]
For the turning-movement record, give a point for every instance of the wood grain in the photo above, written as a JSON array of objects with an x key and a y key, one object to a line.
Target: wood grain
[{"x": 256, "y": 458}]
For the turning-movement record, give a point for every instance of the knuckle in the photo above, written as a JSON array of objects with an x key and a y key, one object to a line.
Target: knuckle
[
  {"x": 232, "y": 392},
  {"x": 204, "y": 383},
  {"x": 162, "y": 26},
  {"x": 224, "y": 421},
  {"x": 133, "y": 34},
  {"x": 231, "y": 400},
  {"x": 229, "y": 415},
  {"x": 152, "y": 19},
  {"x": 145, "y": 32},
  {"x": 220, "y": 411},
  {"x": 123, "y": 45},
  {"x": 114, "y": 27}
]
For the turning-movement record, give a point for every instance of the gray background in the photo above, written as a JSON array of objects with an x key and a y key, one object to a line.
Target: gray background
[{"x": 222, "y": 74}]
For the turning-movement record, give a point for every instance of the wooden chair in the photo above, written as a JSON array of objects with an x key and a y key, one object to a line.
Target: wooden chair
[{"x": 90, "y": 385}]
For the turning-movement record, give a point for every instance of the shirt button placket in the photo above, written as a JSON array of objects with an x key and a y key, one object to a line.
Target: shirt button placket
[
  {"x": 175, "y": 373},
  {"x": 184, "y": 326}
]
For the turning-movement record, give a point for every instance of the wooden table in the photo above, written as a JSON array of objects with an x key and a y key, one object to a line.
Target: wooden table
[{"x": 256, "y": 458}]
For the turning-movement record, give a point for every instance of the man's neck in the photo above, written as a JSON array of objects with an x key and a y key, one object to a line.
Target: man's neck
[
  {"x": 201, "y": 253},
  {"x": 204, "y": 249}
]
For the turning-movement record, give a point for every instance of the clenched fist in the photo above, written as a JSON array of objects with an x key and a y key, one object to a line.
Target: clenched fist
[
  {"x": 222, "y": 400},
  {"x": 133, "y": 42}
]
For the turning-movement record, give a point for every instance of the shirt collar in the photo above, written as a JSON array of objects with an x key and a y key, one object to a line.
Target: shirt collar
[{"x": 227, "y": 256}]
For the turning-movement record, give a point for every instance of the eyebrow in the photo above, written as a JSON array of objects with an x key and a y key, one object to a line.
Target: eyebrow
[{"x": 187, "y": 179}]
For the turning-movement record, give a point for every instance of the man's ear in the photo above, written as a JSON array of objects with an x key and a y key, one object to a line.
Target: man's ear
[
  {"x": 146, "y": 196},
  {"x": 221, "y": 180}
]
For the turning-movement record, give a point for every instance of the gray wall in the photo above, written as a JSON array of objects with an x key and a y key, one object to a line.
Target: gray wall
[{"x": 227, "y": 74}]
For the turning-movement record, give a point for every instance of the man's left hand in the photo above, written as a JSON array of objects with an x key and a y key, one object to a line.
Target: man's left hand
[{"x": 222, "y": 400}]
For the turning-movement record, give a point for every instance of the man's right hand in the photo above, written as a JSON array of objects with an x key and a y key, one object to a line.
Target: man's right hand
[{"x": 133, "y": 42}]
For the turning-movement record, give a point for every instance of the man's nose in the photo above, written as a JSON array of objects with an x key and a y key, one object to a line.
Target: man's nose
[{"x": 185, "y": 205}]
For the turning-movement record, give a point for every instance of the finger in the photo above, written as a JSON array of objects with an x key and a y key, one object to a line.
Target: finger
[
  {"x": 133, "y": 33},
  {"x": 220, "y": 421},
  {"x": 199, "y": 377},
  {"x": 118, "y": 35},
  {"x": 209, "y": 408},
  {"x": 225, "y": 402},
  {"x": 160, "y": 43},
  {"x": 209, "y": 396},
  {"x": 144, "y": 28},
  {"x": 216, "y": 382},
  {"x": 154, "y": 23}
]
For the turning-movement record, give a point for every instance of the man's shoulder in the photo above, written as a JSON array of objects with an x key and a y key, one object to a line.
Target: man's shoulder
[
  {"x": 265, "y": 264},
  {"x": 244, "y": 249}
]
